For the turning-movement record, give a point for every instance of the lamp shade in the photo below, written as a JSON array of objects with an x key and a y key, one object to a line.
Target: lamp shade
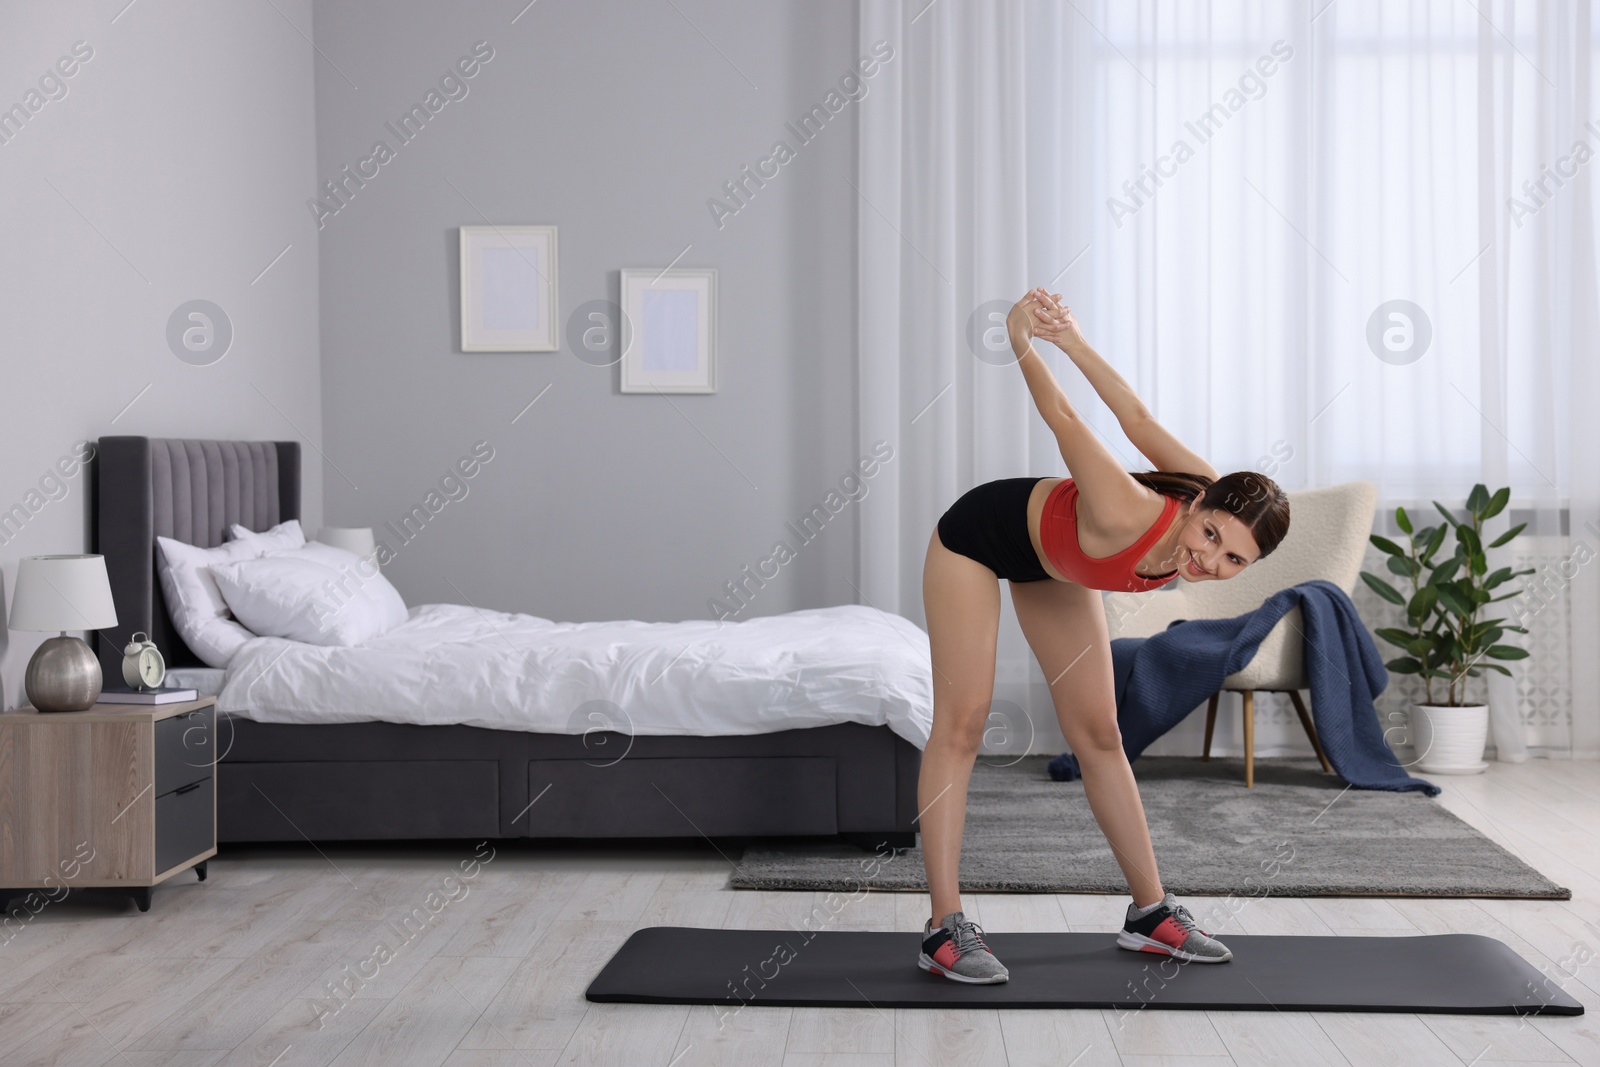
[
  {"x": 354, "y": 539},
  {"x": 62, "y": 593}
]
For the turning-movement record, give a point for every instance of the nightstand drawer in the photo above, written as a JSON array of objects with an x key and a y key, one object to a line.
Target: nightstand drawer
[
  {"x": 185, "y": 823},
  {"x": 185, "y": 749}
]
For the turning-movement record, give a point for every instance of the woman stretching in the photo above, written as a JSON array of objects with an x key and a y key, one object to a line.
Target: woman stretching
[{"x": 1058, "y": 541}]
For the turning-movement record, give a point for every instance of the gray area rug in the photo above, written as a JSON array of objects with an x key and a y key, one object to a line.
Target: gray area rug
[{"x": 1298, "y": 833}]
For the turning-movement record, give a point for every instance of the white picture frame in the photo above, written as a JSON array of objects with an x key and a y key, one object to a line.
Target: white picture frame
[
  {"x": 671, "y": 339},
  {"x": 508, "y": 289}
]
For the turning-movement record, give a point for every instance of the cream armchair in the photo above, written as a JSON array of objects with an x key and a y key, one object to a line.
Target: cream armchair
[{"x": 1328, "y": 531}]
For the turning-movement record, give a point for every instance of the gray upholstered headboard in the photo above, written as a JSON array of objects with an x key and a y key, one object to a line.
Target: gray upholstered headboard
[{"x": 187, "y": 490}]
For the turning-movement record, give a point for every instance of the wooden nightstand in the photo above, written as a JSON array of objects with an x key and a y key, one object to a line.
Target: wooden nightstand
[{"x": 121, "y": 796}]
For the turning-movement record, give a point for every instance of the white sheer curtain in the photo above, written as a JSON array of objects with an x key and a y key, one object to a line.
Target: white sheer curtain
[
  {"x": 1233, "y": 197},
  {"x": 944, "y": 230}
]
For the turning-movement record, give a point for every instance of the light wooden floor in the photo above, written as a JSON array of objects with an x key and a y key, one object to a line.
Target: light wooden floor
[{"x": 227, "y": 972}]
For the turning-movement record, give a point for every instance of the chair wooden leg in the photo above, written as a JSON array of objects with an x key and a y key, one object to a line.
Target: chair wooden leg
[
  {"x": 1311, "y": 731},
  {"x": 1249, "y": 697},
  {"x": 1211, "y": 723}
]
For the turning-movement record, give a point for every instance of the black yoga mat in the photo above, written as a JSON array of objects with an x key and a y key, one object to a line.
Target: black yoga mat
[{"x": 1465, "y": 974}]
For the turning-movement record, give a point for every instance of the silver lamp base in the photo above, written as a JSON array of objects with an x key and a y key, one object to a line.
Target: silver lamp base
[{"x": 63, "y": 675}]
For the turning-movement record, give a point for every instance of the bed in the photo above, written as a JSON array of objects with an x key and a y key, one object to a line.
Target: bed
[{"x": 596, "y": 770}]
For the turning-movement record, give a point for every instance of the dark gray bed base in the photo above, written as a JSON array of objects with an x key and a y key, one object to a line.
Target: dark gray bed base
[{"x": 387, "y": 781}]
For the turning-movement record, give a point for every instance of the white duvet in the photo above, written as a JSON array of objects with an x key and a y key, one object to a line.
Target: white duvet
[{"x": 453, "y": 664}]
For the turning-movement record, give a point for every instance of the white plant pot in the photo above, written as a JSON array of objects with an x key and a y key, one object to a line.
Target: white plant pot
[{"x": 1450, "y": 740}]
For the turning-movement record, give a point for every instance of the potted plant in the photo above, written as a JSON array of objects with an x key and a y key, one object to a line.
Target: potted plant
[{"x": 1445, "y": 639}]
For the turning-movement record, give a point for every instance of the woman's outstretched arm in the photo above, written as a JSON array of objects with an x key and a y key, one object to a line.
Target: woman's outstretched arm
[
  {"x": 1154, "y": 441},
  {"x": 1107, "y": 491}
]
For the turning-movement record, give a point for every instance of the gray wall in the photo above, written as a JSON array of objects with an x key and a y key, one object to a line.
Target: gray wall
[
  {"x": 615, "y": 122},
  {"x": 173, "y": 168}
]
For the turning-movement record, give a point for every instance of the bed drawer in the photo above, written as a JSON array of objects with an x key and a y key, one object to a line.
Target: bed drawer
[
  {"x": 638, "y": 797},
  {"x": 185, "y": 749},
  {"x": 343, "y": 801}
]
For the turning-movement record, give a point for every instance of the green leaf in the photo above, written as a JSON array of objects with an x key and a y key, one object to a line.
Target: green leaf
[
  {"x": 1497, "y": 503},
  {"x": 1488, "y": 635},
  {"x": 1382, "y": 588},
  {"x": 1399, "y": 565},
  {"x": 1501, "y": 575},
  {"x": 1507, "y": 537},
  {"x": 1446, "y": 513},
  {"x": 1478, "y": 500},
  {"x": 1495, "y": 667},
  {"x": 1469, "y": 540},
  {"x": 1422, "y": 603},
  {"x": 1435, "y": 538},
  {"x": 1516, "y": 629},
  {"x": 1445, "y": 571},
  {"x": 1507, "y": 652},
  {"x": 1404, "y": 665},
  {"x": 1395, "y": 636},
  {"x": 1402, "y": 520},
  {"x": 1389, "y": 546},
  {"x": 1450, "y": 596}
]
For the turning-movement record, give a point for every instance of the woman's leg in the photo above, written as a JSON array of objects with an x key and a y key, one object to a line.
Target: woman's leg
[
  {"x": 1066, "y": 627},
  {"x": 961, "y": 599}
]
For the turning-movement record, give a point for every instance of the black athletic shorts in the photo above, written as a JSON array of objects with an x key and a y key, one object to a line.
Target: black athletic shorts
[{"x": 990, "y": 524}]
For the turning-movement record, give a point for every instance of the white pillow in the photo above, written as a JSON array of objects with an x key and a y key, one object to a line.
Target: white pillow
[
  {"x": 359, "y": 579},
  {"x": 316, "y": 594},
  {"x": 193, "y": 600},
  {"x": 285, "y": 535}
]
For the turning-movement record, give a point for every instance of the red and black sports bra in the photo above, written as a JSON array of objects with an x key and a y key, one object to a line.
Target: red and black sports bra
[{"x": 1058, "y": 533}]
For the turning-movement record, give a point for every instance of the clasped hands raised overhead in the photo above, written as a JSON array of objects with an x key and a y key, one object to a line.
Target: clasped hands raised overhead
[{"x": 1041, "y": 314}]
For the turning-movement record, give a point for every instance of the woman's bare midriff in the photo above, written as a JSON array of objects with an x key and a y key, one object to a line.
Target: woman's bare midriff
[{"x": 1094, "y": 549}]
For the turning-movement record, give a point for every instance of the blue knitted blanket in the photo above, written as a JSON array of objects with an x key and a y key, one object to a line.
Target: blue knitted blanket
[{"x": 1161, "y": 679}]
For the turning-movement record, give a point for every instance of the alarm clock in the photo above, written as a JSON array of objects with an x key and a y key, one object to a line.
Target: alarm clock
[{"x": 142, "y": 664}]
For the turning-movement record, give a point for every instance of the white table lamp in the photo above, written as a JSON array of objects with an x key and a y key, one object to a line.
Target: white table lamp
[
  {"x": 63, "y": 593},
  {"x": 355, "y": 539}
]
